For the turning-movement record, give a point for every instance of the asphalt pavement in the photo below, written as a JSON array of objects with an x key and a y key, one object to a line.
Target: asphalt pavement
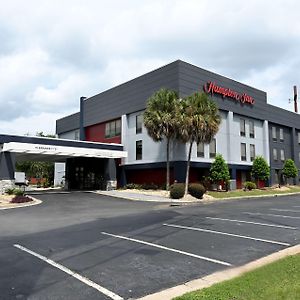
[{"x": 88, "y": 246}]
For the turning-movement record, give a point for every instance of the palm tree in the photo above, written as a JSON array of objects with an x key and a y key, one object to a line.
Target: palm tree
[
  {"x": 198, "y": 121},
  {"x": 159, "y": 119}
]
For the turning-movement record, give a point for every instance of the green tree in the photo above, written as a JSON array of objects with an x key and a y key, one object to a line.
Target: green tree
[
  {"x": 219, "y": 170},
  {"x": 38, "y": 169},
  {"x": 198, "y": 122},
  {"x": 160, "y": 120},
  {"x": 289, "y": 169},
  {"x": 260, "y": 169}
]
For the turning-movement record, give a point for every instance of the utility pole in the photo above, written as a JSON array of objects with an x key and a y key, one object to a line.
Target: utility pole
[{"x": 295, "y": 99}]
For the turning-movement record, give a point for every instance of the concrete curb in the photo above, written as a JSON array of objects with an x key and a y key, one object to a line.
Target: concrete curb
[
  {"x": 217, "y": 277},
  {"x": 34, "y": 202},
  {"x": 258, "y": 196},
  {"x": 184, "y": 203}
]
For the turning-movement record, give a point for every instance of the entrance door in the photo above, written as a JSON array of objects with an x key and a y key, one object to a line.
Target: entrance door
[{"x": 85, "y": 173}]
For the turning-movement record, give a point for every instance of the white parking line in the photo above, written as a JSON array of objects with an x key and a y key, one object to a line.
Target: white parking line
[
  {"x": 228, "y": 234},
  {"x": 288, "y": 210},
  {"x": 72, "y": 273},
  {"x": 254, "y": 223},
  {"x": 271, "y": 215},
  {"x": 168, "y": 249}
]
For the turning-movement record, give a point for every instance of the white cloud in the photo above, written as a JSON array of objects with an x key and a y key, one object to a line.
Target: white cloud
[
  {"x": 54, "y": 52},
  {"x": 31, "y": 125}
]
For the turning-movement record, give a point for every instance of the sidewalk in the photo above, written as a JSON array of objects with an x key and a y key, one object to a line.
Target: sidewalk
[
  {"x": 140, "y": 196},
  {"x": 143, "y": 197}
]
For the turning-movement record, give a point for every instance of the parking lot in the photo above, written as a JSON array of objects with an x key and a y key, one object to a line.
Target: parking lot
[{"x": 87, "y": 246}]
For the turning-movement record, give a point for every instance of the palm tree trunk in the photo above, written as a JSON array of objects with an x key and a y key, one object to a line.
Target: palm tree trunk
[
  {"x": 168, "y": 165},
  {"x": 188, "y": 170}
]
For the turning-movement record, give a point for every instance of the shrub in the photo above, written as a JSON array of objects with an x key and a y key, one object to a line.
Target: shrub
[
  {"x": 249, "y": 185},
  {"x": 219, "y": 170},
  {"x": 20, "y": 199},
  {"x": 132, "y": 186},
  {"x": 46, "y": 183},
  {"x": 206, "y": 182},
  {"x": 10, "y": 191},
  {"x": 260, "y": 169},
  {"x": 18, "y": 192},
  {"x": 289, "y": 169},
  {"x": 196, "y": 190},
  {"x": 177, "y": 190},
  {"x": 163, "y": 187},
  {"x": 149, "y": 186}
]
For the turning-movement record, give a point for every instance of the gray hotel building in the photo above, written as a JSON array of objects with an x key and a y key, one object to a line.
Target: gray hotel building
[{"x": 250, "y": 127}]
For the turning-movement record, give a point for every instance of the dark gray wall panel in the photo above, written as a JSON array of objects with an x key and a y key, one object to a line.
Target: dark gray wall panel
[
  {"x": 192, "y": 79},
  {"x": 7, "y": 166},
  {"x": 68, "y": 123},
  {"x": 286, "y": 145},
  {"x": 130, "y": 96},
  {"x": 184, "y": 78}
]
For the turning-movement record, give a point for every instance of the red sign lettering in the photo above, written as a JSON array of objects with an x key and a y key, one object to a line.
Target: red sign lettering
[{"x": 212, "y": 88}]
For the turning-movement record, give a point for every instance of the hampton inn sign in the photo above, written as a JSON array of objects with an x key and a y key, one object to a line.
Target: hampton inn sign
[{"x": 211, "y": 88}]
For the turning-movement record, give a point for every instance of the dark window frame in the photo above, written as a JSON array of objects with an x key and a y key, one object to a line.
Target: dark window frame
[
  {"x": 274, "y": 130},
  {"x": 200, "y": 153},
  {"x": 113, "y": 128},
  {"x": 281, "y": 137},
  {"x": 252, "y": 151},
  {"x": 139, "y": 146},
  {"x": 214, "y": 153},
  {"x": 243, "y": 157},
  {"x": 139, "y": 124},
  {"x": 251, "y": 129},
  {"x": 282, "y": 155},
  {"x": 242, "y": 127},
  {"x": 275, "y": 154}
]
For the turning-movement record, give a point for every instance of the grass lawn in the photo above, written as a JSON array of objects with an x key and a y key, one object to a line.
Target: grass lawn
[
  {"x": 267, "y": 191},
  {"x": 277, "y": 281}
]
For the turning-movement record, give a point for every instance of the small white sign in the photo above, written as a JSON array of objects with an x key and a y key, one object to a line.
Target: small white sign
[{"x": 20, "y": 177}]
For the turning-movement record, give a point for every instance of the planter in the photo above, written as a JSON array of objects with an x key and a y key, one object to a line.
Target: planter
[{"x": 261, "y": 184}]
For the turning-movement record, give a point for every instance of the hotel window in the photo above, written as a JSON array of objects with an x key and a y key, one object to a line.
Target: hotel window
[
  {"x": 113, "y": 128},
  {"x": 243, "y": 152},
  {"x": 274, "y": 136},
  {"x": 139, "y": 123},
  {"x": 200, "y": 150},
  {"x": 252, "y": 152},
  {"x": 251, "y": 129},
  {"x": 282, "y": 158},
  {"x": 299, "y": 156},
  {"x": 242, "y": 127},
  {"x": 281, "y": 134},
  {"x": 275, "y": 157},
  {"x": 298, "y": 137},
  {"x": 212, "y": 148},
  {"x": 139, "y": 150}
]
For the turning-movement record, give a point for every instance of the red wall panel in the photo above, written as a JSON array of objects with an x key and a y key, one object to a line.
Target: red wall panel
[
  {"x": 156, "y": 176},
  {"x": 96, "y": 133}
]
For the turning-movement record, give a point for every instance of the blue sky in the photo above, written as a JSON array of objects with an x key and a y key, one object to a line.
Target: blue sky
[{"x": 53, "y": 52}]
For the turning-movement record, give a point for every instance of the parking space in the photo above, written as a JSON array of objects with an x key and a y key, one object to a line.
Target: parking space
[{"x": 141, "y": 249}]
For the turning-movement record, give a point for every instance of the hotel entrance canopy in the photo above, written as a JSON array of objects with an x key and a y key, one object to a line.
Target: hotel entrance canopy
[
  {"x": 25, "y": 151},
  {"x": 57, "y": 150}
]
